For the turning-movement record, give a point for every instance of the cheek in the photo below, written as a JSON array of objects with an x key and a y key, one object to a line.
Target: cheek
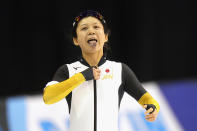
[
  {"x": 81, "y": 37},
  {"x": 102, "y": 36}
]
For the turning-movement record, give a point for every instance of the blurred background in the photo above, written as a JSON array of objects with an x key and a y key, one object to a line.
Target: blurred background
[{"x": 156, "y": 39}]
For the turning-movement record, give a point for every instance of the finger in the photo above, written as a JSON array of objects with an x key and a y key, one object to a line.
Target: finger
[
  {"x": 150, "y": 116},
  {"x": 150, "y": 106},
  {"x": 150, "y": 119},
  {"x": 149, "y": 111},
  {"x": 94, "y": 74},
  {"x": 145, "y": 106},
  {"x": 98, "y": 70},
  {"x": 94, "y": 70},
  {"x": 94, "y": 67},
  {"x": 97, "y": 77},
  {"x": 98, "y": 74}
]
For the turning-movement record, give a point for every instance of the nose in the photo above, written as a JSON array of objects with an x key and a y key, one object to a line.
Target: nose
[{"x": 91, "y": 31}]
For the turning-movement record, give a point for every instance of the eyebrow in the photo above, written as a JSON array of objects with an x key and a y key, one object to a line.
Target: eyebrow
[
  {"x": 86, "y": 24},
  {"x": 83, "y": 24}
]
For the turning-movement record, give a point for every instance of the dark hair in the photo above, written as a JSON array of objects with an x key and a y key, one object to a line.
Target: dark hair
[
  {"x": 86, "y": 14},
  {"x": 97, "y": 15}
]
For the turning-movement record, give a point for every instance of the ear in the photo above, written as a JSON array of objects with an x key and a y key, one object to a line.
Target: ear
[
  {"x": 75, "y": 41},
  {"x": 106, "y": 37}
]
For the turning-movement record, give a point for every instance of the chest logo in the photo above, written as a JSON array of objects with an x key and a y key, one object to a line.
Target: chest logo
[
  {"x": 108, "y": 74},
  {"x": 76, "y": 68}
]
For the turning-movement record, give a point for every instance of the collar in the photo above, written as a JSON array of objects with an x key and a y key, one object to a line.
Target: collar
[{"x": 102, "y": 61}]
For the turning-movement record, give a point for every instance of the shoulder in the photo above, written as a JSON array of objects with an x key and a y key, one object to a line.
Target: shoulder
[
  {"x": 125, "y": 66},
  {"x": 66, "y": 67},
  {"x": 74, "y": 64},
  {"x": 61, "y": 70}
]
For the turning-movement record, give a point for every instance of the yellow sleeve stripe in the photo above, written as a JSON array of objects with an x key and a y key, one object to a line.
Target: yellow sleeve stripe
[
  {"x": 148, "y": 99},
  {"x": 57, "y": 92}
]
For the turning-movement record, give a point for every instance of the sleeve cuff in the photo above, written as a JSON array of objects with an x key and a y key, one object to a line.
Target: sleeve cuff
[
  {"x": 148, "y": 99},
  {"x": 88, "y": 73}
]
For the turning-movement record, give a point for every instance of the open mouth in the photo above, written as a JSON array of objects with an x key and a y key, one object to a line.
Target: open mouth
[{"x": 92, "y": 42}]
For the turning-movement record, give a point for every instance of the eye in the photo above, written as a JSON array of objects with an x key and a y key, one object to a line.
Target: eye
[
  {"x": 84, "y": 28},
  {"x": 96, "y": 27}
]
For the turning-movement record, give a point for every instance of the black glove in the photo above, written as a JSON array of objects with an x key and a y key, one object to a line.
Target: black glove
[{"x": 150, "y": 106}]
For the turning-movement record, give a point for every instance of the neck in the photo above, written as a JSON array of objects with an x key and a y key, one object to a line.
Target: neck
[{"x": 93, "y": 58}]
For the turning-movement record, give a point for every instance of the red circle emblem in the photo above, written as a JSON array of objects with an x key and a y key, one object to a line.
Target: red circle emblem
[{"x": 107, "y": 70}]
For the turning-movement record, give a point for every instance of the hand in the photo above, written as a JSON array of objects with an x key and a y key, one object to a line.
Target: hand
[
  {"x": 150, "y": 116},
  {"x": 96, "y": 73}
]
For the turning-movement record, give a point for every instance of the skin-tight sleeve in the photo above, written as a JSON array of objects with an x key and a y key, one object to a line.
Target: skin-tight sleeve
[{"x": 56, "y": 92}]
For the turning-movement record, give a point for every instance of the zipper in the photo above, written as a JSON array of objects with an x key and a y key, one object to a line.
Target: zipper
[{"x": 95, "y": 106}]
